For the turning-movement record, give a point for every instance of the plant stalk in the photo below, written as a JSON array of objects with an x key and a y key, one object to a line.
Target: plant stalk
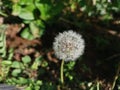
[
  {"x": 98, "y": 85},
  {"x": 61, "y": 72},
  {"x": 116, "y": 76}
]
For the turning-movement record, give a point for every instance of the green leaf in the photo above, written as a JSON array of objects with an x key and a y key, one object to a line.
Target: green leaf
[
  {"x": 22, "y": 81},
  {"x": 70, "y": 65},
  {"x": 39, "y": 82},
  {"x": 1, "y": 43},
  {"x": 37, "y": 28},
  {"x": 28, "y": 88},
  {"x": 11, "y": 52},
  {"x": 25, "y": 2},
  {"x": 107, "y": 17},
  {"x": 16, "y": 64},
  {"x": 2, "y": 49},
  {"x": 36, "y": 63},
  {"x": 26, "y": 59},
  {"x": 48, "y": 10},
  {"x": 34, "y": 29},
  {"x": 44, "y": 7},
  {"x": 44, "y": 64},
  {"x": 3, "y": 14},
  {"x": 15, "y": 72},
  {"x": 25, "y": 14},
  {"x": 70, "y": 76},
  {"x": 27, "y": 21},
  {"x": 37, "y": 87},
  {"x": 26, "y": 34},
  {"x": 6, "y": 62},
  {"x": 2, "y": 40},
  {"x": 16, "y": 9}
]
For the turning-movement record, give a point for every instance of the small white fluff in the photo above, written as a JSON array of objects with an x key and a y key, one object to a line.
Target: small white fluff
[{"x": 68, "y": 45}]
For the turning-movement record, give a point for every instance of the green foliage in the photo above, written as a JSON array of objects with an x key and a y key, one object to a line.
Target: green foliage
[
  {"x": 49, "y": 86},
  {"x": 94, "y": 85},
  {"x": 34, "y": 85},
  {"x": 68, "y": 68},
  {"x": 2, "y": 41},
  {"x": 118, "y": 83},
  {"x": 5, "y": 65},
  {"x": 16, "y": 72},
  {"x": 36, "y": 15},
  {"x": 5, "y": 5},
  {"x": 19, "y": 71},
  {"x": 29, "y": 84},
  {"x": 26, "y": 10},
  {"x": 36, "y": 63},
  {"x": 33, "y": 13},
  {"x": 26, "y": 59}
]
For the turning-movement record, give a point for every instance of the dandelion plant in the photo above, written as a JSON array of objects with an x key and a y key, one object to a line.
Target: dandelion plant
[{"x": 68, "y": 46}]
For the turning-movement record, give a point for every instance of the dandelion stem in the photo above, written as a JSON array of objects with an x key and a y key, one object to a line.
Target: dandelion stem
[{"x": 61, "y": 72}]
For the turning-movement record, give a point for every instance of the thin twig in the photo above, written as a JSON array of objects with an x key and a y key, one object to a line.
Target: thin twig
[{"x": 113, "y": 56}]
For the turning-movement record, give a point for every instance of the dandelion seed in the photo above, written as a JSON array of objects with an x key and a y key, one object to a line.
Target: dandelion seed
[
  {"x": 68, "y": 45},
  {"x": 109, "y": 0}
]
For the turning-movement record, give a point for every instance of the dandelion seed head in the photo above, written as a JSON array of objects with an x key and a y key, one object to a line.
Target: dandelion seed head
[{"x": 68, "y": 45}]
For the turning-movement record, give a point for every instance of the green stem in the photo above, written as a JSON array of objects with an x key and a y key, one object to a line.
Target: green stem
[
  {"x": 98, "y": 85},
  {"x": 116, "y": 76},
  {"x": 61, "y": 72}
]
